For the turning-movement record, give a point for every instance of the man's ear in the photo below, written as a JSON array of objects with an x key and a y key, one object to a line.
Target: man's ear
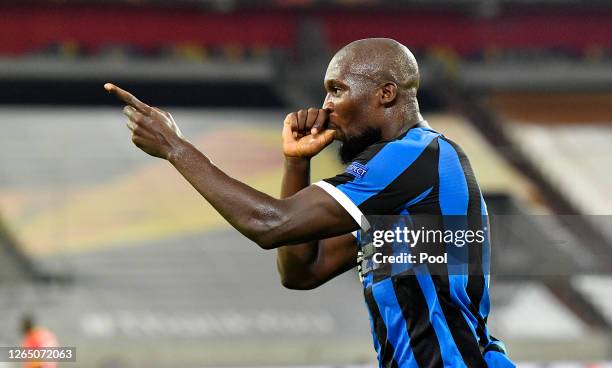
[{"x": 388, "y": 93}]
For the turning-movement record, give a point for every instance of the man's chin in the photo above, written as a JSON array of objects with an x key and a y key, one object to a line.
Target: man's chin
[
  {"x": 353, "y": 147},
  {"x": 338, "y": 136}
]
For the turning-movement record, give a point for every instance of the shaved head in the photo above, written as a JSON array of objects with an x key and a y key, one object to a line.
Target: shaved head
[
  {"x": 379, "y": 59},
  {"x": 371, "y": 89}
]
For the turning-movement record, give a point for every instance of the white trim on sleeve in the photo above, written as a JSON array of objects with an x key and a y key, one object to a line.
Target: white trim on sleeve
[{"x": 346, "y": 203}]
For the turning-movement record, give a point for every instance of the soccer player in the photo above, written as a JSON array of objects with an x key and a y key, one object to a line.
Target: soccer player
[{"x": 397, "y": 165}]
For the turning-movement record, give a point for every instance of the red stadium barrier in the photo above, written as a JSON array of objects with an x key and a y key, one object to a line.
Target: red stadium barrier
[{"x": 27, "y": 28}]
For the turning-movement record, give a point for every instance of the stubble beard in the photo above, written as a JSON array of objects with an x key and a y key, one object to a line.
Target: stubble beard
[{"x": 354, "y": 145}]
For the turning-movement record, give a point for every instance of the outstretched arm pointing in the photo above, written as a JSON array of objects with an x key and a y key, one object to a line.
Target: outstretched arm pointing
[{"x": 308, "y": 215}]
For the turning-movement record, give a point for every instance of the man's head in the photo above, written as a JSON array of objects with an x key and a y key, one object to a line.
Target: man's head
[
  {"x": 371, "y": 89},
  {"x": 27, "y": 324}
]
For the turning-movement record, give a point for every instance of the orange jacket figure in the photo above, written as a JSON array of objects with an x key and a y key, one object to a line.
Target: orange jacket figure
[{"x": 39, "y": 337}]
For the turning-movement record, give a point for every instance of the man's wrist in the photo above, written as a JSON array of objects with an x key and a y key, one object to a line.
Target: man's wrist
[
  {"x": 179, "y": 148},
  {"x": 297, "y": 163}
]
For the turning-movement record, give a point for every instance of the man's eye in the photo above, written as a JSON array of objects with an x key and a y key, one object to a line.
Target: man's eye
[{"x": 335, "y": 90}]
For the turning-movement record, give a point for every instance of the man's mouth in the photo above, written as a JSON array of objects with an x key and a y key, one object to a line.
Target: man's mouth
[{"x": 338, "y": 134}]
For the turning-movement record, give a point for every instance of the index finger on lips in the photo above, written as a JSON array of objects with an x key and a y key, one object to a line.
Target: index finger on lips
[
  {"x": 128, "y": 98},
  {"x": 311, "y": 118},
  {"x": 320, "y": 122}
]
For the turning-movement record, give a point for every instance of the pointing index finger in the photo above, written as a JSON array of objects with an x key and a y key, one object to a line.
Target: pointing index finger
[{"x": 127, "y": 97}]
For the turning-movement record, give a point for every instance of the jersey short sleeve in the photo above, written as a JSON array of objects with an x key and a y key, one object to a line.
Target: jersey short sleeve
[{"x": 387, "y": 177}]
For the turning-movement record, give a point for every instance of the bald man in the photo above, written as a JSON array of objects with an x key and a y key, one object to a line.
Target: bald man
[{"x": 396, "y": 165}]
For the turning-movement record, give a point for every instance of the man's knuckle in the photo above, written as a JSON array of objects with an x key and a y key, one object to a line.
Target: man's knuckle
[
  {"x": 302, "y": 113},
  {"x": 160, "y": 111},
  {"x": 291, "y": 117}
]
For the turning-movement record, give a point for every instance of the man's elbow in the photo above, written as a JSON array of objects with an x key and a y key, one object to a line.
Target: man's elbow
[
  {"x": 294, "y": 284},
  {"x": 266, "y": 241},
  {"x": 269, "y": 231}
]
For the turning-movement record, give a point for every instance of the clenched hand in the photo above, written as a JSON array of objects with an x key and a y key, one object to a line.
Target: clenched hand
[{"x": 305, "y": 133}]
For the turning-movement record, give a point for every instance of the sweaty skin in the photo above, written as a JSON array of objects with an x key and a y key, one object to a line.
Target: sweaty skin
[{"x": 370, "y": 83}]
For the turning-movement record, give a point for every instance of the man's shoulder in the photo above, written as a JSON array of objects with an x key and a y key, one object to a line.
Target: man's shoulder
[
  {"x": 414, "y": 141},
  {"x": 419, "y": 135},
  {"x": 399, "y": 152}
]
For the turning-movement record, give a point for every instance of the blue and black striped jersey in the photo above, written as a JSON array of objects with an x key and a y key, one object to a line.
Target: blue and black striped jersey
[{"x": 421, "y": 318}]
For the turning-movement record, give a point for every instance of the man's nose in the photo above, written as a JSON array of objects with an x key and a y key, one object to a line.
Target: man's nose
[{"x": 327, "y": 105}]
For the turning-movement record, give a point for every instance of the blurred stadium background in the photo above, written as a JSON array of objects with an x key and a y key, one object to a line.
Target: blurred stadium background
[{"x": 117, "y": 255}]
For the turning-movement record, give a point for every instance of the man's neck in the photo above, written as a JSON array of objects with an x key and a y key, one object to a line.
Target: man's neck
[{"x": 394, "y": 129}]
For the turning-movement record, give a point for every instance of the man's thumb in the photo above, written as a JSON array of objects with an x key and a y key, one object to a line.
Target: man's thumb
[{"x": 328, "y": 136}]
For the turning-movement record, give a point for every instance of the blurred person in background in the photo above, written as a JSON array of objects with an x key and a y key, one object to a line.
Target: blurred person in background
[
  {"x": 398, "y": 165},
  {"x": 35, "y": 337}
]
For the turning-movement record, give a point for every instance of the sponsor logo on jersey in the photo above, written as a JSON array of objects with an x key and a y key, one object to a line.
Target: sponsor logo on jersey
[{"x": 357, "y": 169}]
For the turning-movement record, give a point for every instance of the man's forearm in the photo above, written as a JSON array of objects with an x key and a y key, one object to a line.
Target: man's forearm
[
  {"x": 295, "y": 260},
  {"x": 250, "y": 211},
  {"x": 296, "y": 176}
]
